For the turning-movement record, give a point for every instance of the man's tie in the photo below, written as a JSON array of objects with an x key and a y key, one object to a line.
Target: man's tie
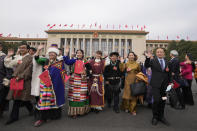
[{"x": 162, "y": 66}]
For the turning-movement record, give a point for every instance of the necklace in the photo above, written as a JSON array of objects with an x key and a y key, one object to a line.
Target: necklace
[{"x": 113, "y": 64}]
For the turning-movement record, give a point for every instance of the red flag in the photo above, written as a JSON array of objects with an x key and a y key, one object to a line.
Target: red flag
[
  {"x": 119, "y": 26},
  {"x": 60, "y": 25},
  {"x": 141, "y": 28},
  {"x": 167, "y": 37},
  {"x": 48, "y": 25},
  {"x": 137, "y": 26},
  {"x": 177, "y": 37},
  {"x": 126, "y": 26},
  {"x": 1, "y": 35},
  {"x": 99, "y": 26},
  {"x": 71, "y": 25},
  {"x": 83, "y": 25},
  {"x": 65, "y": 25},
  {"x": 52, "y": 26},
  {"x": 95, "y": 24},
  {"x": 144, "y": 27},
  {"x": 9, "y": 35}
]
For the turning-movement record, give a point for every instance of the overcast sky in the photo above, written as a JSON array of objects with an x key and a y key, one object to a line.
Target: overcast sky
[{"x": 162, "y": 18}]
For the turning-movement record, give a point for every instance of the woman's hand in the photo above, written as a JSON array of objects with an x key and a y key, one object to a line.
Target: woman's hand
[
  {"x": 66, "y": 51},
  {"x": 128, "y": 69},
  {"x": 40, "y": 47},
  {"x": 148, "y": 55},
  {"x": 10, "y": 53},
  {"x": 121, "y": 59}
]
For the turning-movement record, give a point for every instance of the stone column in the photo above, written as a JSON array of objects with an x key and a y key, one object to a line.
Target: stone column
[
  {"x": 71, "y": 46},
  {"x": 100, "y": 44},
  {"x": 126, "y": 47},
  {"x": 65, "y": 44},
  {"x": 107, "y": 45},
  {"x": 91, "y": 47},
  {"x": 77, "y": 43},
  {"x": 113, "y": 45},
  {"x": 119, "y": 46},
  {"x": 83, "y": 48}
]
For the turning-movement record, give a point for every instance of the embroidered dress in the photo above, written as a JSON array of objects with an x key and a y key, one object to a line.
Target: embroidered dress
[
  {"x": 95, "y": 84},
  {"x": 78, "y": 91},
  {"x": 52, "y": 97}
]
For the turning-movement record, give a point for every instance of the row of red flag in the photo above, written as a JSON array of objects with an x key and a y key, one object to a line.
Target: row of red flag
[
  {"x": 10, "y": 35},
  {"x": 97, "y": 26},
  {"x": 158, "y": 37},
  {"x": 177, "y": 37}
]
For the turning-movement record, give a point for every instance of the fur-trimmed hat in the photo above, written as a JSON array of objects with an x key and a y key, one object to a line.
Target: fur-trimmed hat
[{"x": 53, "y": 49}]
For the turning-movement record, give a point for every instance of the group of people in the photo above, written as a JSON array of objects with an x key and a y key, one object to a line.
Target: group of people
[{"x": 90, "y": 83}]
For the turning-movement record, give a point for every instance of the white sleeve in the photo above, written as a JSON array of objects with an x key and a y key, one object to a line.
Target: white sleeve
[{"x": 10, "y": 63}]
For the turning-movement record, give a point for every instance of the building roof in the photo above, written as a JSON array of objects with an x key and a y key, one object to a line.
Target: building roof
[
  {"x": 98, "y": 31},
  {"x": 21, "y": 39},
  {"x": 160, "y": 41}
]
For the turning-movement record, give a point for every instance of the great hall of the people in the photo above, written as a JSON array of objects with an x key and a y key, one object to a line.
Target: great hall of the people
[{"x": 90, "y": 41}]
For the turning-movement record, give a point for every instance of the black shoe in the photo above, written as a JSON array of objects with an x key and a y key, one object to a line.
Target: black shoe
[
  {"x": 164, "y": 121},
  {"x": 10, "y": 121},
  {"x": 154, "y": 121},
  {"x": 96, "y": 111},
  {"x": 31, "y": 113},
  {"x": 117, "y": 110},
  {"x": 109, "y": 105},
  {"x": 179, "y": 107},
  {"x": 149, "y": 106}
]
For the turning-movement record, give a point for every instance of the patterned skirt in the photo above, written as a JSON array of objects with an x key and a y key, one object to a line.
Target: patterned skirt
[
  {"x": 78, "y": 96},
  {"x": 47, "y": 99}
]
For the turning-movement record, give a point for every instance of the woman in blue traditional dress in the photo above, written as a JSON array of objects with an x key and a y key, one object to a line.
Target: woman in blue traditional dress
[{"x": 52, "y": 93}]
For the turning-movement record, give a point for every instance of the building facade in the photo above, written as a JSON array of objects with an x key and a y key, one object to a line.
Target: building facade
[
  {"x": 90, "y": 41},
  {"x": 105, "y": 40}
]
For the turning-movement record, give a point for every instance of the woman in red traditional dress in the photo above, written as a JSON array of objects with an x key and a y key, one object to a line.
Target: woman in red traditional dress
[{"x": 95, "y": 83}]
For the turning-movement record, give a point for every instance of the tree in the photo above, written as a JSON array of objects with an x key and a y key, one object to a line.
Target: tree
[
  {"x": 7, "y": 46},
  {"x": 183, "y": 47}
]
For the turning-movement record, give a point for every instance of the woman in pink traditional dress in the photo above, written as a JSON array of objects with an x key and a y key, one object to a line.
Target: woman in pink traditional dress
[
  {"x": 95, "y": 83},
  {"x": 78, "y": 89}
]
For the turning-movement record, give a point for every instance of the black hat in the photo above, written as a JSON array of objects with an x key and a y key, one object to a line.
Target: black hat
[{"x": 114, "y": 53}]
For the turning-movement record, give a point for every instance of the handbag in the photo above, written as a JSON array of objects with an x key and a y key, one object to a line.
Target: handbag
[
  {"x": 176, "y": 84},
  {"x": 46, "y": 78},
  {"x": 183, "y": 82},
  {"x": 173, "y": 98},
  {"x": 138, "y": 88},
  {"x": 16, "y": 85}
]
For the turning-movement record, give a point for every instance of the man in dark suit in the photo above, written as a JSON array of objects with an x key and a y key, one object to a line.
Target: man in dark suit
[
  {"x": 174, "y": 66},
  {"x": 159, "y": 82}
]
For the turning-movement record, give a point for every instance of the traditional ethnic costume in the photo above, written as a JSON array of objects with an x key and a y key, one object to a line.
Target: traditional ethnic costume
[
  {"x": 95, "y": 84},
  {"x": 78, "y": 90},
  {"x": 52, "y": 93}
]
